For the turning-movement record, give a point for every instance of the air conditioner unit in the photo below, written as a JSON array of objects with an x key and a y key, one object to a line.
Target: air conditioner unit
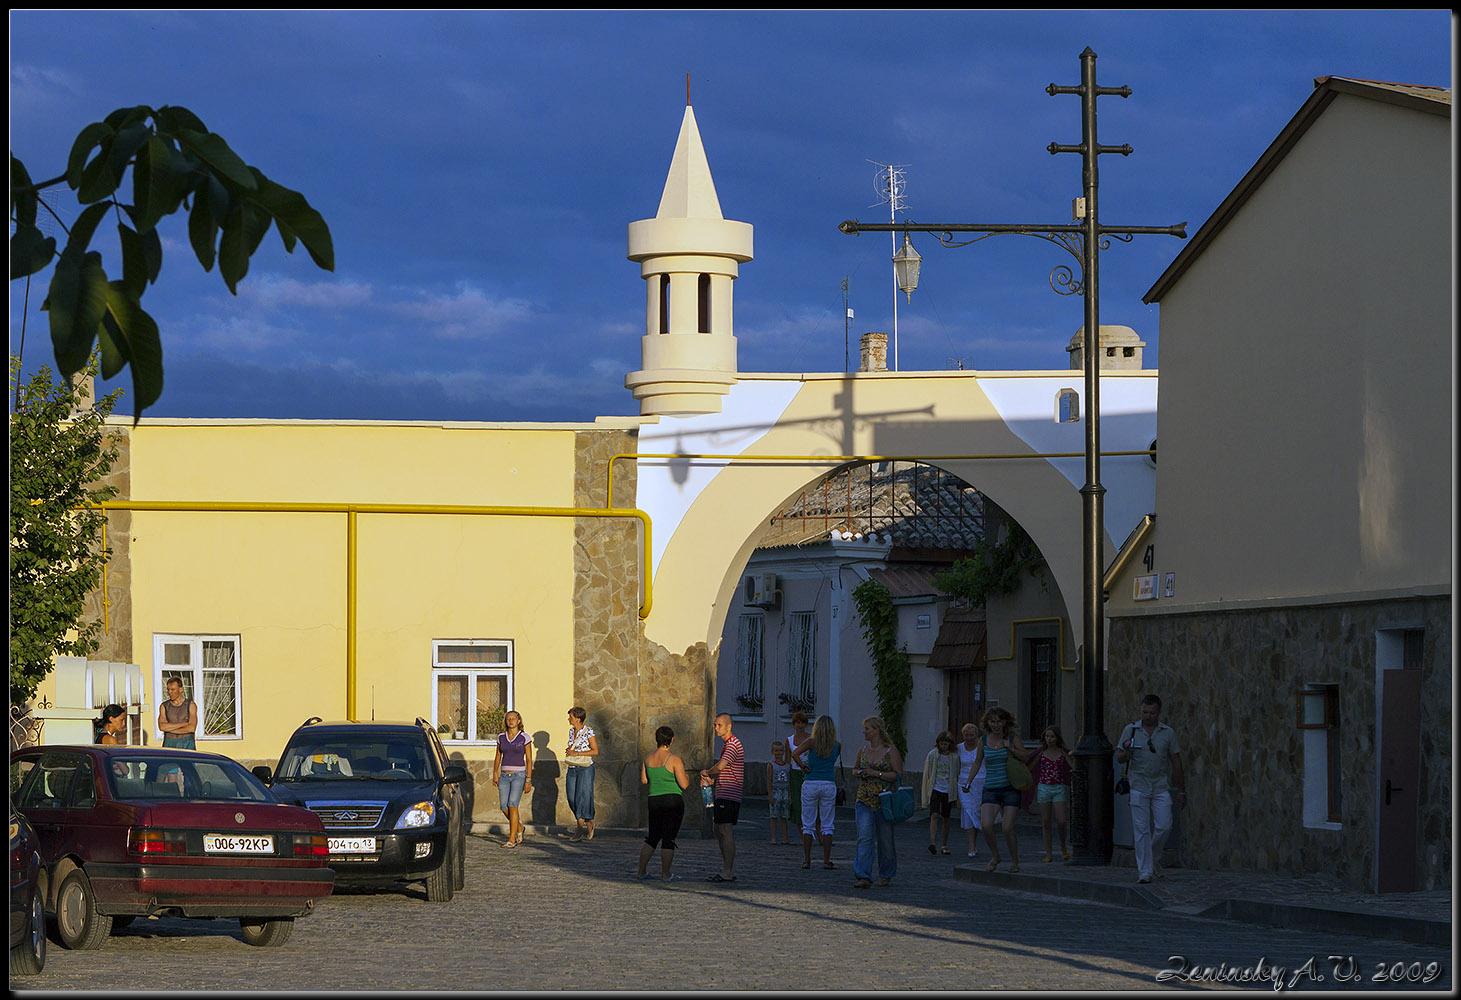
[{"x": 761, "y": 589}]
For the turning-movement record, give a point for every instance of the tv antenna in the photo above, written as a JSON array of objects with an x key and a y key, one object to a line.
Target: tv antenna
[{"x": 891, "y": 185}]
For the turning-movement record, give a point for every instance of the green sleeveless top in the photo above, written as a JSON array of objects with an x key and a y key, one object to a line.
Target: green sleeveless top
[{"x": 662, "y": 781}]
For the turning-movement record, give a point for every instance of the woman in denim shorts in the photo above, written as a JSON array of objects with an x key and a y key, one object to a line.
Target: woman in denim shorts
[
  {"x": 1001, "y": 799},
  {"x": 512, "y": 773}
]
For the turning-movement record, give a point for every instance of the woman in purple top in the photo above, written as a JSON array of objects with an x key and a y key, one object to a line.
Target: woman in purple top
[{"x": 512, "y": 773}]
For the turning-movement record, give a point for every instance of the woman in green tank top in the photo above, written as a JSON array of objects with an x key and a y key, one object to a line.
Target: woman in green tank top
[{"x": 665, "y": 776}]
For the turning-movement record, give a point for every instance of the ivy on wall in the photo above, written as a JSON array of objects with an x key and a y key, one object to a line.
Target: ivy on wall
[
  {"x": 891, "y": 668},
  {"x": 995, "y": 568}
]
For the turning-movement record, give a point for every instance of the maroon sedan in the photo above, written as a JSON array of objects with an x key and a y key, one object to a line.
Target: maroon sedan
[{"x": 131, "y": 831}]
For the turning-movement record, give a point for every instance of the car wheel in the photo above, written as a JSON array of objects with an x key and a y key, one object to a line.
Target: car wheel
[
  {"x": 78, "y": 924},
  {"x": 29, "y": 956},
  {"x": 266, "y": 933},
  {"x": 440, "y": 882}
]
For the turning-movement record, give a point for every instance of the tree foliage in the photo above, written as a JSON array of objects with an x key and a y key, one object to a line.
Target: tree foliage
[
  {"x": 176, "y": 164},
  {"x": 995, "y": 568},
  {"x": 891, "y": 667},
  {"x": 57, "y": 464}
]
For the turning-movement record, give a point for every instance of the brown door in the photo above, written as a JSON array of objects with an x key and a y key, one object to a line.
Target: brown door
[
  {"x": 1399, "y": 778},
  {"x": 966, "y": 698}
]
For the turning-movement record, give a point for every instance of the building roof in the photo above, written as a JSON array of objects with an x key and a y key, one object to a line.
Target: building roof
[
  {"x": 913, "y": 506},
  {"x": 961, "y": 641},
  {"x": 909, "y": 581},
  {"x": 1431, "y": 100}
]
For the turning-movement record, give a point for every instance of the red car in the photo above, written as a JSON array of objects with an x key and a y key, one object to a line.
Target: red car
[{"x": 131, "y": 831}]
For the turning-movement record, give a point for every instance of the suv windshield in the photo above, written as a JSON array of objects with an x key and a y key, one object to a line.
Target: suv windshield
[{"x": 345, "y": 755}]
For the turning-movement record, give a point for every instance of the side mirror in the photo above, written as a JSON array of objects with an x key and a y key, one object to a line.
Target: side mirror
[
  {"x": 453, "y": 774},
  {"x": 263, "y": 773}
]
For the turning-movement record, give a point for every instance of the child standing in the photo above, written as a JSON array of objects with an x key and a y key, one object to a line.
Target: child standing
[
  {"x": 778, "y": 786},
  {"x": 938, "y": 777},
  {"x": 1052, "y": 777}
]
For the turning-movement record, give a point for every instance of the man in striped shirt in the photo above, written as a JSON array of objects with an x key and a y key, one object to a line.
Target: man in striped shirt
[{"x": 729, "y": 776}]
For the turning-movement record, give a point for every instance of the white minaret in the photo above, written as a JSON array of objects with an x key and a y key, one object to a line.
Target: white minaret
[{"x": 688, "y": 255}]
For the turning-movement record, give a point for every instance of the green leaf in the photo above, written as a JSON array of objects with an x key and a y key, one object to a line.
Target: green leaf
[
  {"x": 134, "y": 266},
  {"x": 81, "y": 149},
  {"x": 23, "y": 196},
  {"x": 76, "y": 302},
  {"x": 109, "y": 337},
  {"x": 212, "y": 150},
  {"x": 30, "y": 251},
  {"x": 84, "y": 226},
  {"x": 298, "y": 219},
  {"x": 202, "y": 230},
  {"x": 154, "y": 184},
  {"x": 137, "y": 341},
  {"x": 233, "y": 253},
  {"x": 173, "y": 117},
  {"x": 122, "y": 117},
  {"x": 126, "y": 144}
]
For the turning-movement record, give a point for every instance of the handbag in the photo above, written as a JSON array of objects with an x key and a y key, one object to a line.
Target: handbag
[
  {"x": 1018, "y": 773},
  {"x": 841, "y": 791},
  {"x": 1123, "y": 786},
  {"x": 897, "y": 804}
]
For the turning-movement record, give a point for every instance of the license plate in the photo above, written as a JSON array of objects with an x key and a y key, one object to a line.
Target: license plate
[
  {"x": 352, "y": 845},
  {"x": 221, "y": 843}
]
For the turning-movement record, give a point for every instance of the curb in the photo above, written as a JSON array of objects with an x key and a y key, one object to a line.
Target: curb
[
  {"x": 1361, "y": 923},
  {"x": 1416, "y": 930}
]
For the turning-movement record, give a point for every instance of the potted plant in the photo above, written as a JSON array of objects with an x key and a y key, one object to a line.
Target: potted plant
[{"x": 749, "y": 703}]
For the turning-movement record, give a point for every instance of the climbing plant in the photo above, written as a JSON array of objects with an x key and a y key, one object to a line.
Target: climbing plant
[
  {"x": 891, "y": 668},
  {"x": 995, "y": 568}
]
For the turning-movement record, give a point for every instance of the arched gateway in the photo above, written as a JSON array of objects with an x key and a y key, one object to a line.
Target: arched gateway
[{"x": 729, "y": 447}]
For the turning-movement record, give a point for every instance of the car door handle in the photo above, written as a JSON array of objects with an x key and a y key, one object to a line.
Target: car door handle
[{"x": 1390, "y": 788}]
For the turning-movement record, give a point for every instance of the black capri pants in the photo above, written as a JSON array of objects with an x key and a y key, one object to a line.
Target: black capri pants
[{"x": 666, "y": 813}]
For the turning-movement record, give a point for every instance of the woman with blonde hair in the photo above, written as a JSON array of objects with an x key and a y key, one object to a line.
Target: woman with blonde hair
[
  {"x": 880, "y": 767},
  {"x": 819, "y": 756},
  {"x": 512, "y": 774},
  {"x": 1001, "y": 800}
]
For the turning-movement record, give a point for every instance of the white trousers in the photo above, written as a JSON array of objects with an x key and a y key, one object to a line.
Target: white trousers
[
  {"x": 818, "y": 797},
  {"x": 1151, "y": 821}
]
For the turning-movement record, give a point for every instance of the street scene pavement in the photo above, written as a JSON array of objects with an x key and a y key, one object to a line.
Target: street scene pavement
[{"x": 555, "y": 915}]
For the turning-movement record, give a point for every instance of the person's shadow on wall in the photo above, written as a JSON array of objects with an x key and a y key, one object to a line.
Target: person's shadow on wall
[
  {"x": 468, "y": 787},
  {"x": 543, "y": 810}
]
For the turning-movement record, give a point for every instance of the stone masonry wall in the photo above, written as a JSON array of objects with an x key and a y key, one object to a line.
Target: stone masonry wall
[
  {"x": 1228, "y": 682},
  {"x": 116, "y": 638}
]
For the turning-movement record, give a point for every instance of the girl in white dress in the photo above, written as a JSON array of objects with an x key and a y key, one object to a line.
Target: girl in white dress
[{"x": 970, "y": 786}]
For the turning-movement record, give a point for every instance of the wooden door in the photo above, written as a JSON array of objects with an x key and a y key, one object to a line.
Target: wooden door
[
  {"x": 1044, "y": 683},
  {"x": 965, "y": 698}
]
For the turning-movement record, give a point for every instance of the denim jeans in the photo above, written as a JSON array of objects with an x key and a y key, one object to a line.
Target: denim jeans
[
  {"x": 874, "y": 835},
  {"x": 578, "y": 784},
  {"x": 510, "y": 789}
]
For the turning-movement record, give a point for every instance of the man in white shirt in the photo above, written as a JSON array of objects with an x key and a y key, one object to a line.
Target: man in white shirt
[{"x": 1154, "y": 759}]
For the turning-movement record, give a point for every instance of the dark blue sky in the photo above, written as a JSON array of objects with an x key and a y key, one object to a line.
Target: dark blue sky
[{"x": 478, "y": 170}]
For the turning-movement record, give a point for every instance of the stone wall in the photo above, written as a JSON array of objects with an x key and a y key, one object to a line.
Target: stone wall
[{"x": 1228, "y": 682}]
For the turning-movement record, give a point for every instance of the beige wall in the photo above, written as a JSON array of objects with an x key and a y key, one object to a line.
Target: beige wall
[
  {"x": 278, "y": 580},
  {"x": 1305, "y": 421}
]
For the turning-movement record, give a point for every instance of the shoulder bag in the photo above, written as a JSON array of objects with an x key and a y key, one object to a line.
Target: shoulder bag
[
  {"x": 897, "y": 804},
  {"x": 1018, "y": 773}
]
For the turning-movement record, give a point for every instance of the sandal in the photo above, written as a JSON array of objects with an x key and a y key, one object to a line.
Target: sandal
[
  {"x": 993, "y": 864},
  {"x": 828, "y": 865},
  {"x": 1064, "y": 855},
  {"x": 645, "y": 876},
  {"x": 509, "y": 843},
  {"x": 1014, "y": 868},
  {"x": 1046, "y": 859},
  {"x": 806, "y": 864},
  {"x": 944, "y": 851},
  {"x": 932, "y": 849},
  {"x": 672, "y": 878}
]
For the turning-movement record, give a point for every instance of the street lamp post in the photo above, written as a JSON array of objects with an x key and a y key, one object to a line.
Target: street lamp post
[{"x": 1092, "y": 783}]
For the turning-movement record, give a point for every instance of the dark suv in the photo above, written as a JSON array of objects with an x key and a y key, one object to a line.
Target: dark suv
[{"x": 392, "y": 806}]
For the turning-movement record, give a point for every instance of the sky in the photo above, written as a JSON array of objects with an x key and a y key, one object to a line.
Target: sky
[{"x": 478, "y": 171}]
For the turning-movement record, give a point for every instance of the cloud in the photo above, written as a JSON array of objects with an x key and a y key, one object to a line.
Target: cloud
[
  {"x": 273, "y": 291},
  {"x": 466, "y": 314}
]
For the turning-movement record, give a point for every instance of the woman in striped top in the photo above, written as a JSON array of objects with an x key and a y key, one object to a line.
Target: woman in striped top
[{"x": 1001, "y": 800}]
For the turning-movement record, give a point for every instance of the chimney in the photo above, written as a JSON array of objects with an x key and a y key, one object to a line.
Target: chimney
[{"x": 874, "y": 348}]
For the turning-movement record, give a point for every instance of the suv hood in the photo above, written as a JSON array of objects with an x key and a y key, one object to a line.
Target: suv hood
[{"x": 349, "y": 789}]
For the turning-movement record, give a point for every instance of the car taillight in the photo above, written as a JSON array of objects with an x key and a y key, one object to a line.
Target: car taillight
[
  {"x": 311, "y": 845},
  {"x": 144, "y": 841}
]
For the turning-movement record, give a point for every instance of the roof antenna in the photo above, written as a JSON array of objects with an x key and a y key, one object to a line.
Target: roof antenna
[{"x": 687, "y": 90}]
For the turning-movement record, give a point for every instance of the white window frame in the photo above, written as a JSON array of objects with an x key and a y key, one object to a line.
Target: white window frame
[
  {"x": 472, "y": 672},
  {"x": 195, "y": 667},
  {"x": 750, "y": 666}
]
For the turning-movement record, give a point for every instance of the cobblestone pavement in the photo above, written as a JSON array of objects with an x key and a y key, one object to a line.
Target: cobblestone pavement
[{"x": 555, "y": 915}]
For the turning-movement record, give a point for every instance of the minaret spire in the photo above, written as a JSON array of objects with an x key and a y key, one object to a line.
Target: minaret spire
[{"x": 689, "y": 254}]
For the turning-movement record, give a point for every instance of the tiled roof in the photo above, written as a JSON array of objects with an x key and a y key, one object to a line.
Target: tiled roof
[
  {"x": 911, "y": 505},
  {"x": 961, "y": 641}
]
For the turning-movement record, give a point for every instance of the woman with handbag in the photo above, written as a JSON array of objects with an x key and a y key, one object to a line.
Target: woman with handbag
[
  {"x": 819, "y": 755},
  {"x": 999, "y": 747},
  {"x": 880, "y": 767}
]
